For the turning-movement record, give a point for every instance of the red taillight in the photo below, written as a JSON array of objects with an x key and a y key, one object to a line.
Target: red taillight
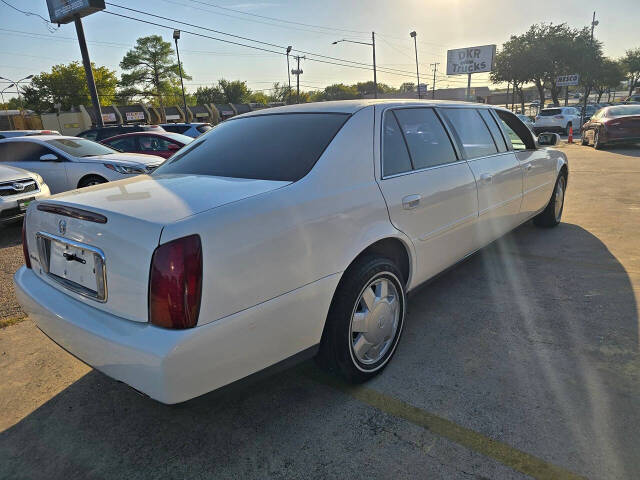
[
  {"x": 175, "y": 283},
  {"x": 25, "y": 248}
]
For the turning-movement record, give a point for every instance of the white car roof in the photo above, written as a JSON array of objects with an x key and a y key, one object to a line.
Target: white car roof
[
  {"x": 39, "y": 138},
  {"x": 352, "y": 106}
]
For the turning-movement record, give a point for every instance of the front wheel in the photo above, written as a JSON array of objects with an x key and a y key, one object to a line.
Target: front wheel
[
  {"x": 365, "y": 320},
  {"x": 551, "y": 216},
  {"x": 91, "y": 180}
]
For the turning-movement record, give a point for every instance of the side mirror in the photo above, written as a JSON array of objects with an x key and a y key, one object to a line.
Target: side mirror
[
  {"x": 548, "y": 139},
  {"x": 49, "y": 157}
]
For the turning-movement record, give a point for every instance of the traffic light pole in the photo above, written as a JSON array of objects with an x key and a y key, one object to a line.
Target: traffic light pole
[{"x": 91, "y": 83}]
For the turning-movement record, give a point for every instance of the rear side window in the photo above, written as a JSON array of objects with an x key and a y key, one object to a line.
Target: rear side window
[
  {"x": 494, "y": 129},
  {"x": 428, "y": 142},
  {"x": 267, "y": 147},
  {"x": 395, "y": 155},
  {"x": 472, "y": 132},
  {"x": 550, "y": 112}
]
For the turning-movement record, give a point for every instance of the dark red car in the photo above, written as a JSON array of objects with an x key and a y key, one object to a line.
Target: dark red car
[
  {"x": 614, "y": 124},
  {"x": 163, "y": 144}
]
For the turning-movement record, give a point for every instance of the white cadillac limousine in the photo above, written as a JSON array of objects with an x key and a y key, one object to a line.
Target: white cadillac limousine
[{"x": 281, "y": 233}]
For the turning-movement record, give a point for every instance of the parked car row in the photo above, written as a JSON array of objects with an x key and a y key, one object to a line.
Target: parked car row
[
  {"x": 612, "y": 125},
  {"x": 37, "y": 163}
]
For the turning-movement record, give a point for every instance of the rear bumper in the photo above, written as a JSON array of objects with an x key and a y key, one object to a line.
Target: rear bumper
[{"x": 172, "y": 366}]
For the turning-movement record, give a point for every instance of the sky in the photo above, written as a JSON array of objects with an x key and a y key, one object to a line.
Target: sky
[{"x": 29, "y": 46}]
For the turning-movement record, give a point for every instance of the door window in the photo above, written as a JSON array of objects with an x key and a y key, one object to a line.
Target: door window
[
  {"x": 472, "y": 132},
  {"x": 494, "y": 129},
  {"x": 518, "y": 135},
  {"x": 395, "y": 157},
  {"x": 427, "y": 140},
  {"x": 23, "y": 152},
  {"x": 126, "y": 144},
  {"x": 153, "y": 144}
]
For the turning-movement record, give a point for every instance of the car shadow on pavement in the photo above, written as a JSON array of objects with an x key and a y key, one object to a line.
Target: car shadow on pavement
[{"x": 533, "y": 342}]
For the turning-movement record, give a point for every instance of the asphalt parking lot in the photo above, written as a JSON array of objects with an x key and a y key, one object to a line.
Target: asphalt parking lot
[{"x": 522, "y": 362}]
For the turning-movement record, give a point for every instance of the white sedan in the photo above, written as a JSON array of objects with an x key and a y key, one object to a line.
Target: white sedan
[
  {"x": 67, "y": 163},
  {"x": 279, "y": 234}
]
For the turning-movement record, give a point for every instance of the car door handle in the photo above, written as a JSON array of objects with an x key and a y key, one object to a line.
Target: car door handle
[
  {"x": 528, "y": 167},
  {"x": 486, "y": 178},
  {"x": 411, "y": 201}
]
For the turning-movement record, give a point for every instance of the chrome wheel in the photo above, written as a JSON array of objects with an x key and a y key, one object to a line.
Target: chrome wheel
[
  {"x": 375, "y": 320},
  {"x": 93, "y": 182},
  {"x": 559, "y": 198}
]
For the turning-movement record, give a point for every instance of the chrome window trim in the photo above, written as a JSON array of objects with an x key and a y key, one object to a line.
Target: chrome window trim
[
  {"x": 101, "y": 294},
  {"x": 456, "y": 150}
]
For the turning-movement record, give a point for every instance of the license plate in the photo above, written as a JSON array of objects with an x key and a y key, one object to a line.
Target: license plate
[
  {"x": 77, "y": 266},
  {"x": 24, "y": 203}
]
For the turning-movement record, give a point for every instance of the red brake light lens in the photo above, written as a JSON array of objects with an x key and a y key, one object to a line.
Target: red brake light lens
[
  {"x": 25, "y": 248},
  {"x": 175, "y": 283}
]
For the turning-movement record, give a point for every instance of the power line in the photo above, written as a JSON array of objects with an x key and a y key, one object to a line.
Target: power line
[
  {"x": 50, "y": 27},
  {"x": 366, "y": 67},
  {"x": 242, "y": 37}
]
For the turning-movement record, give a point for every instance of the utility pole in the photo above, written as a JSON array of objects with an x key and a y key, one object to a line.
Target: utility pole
[
  {"x": 297, "y": 72},
  {"x": 506, "y": 104},
  {"x": 415, "y": 44},
  {"x": 288, "y": 75},
  {"x": 176, "y": 36},
  {"x": 88, "y": 71},
  {"x": 587, "y": 87},
  {"x": 433, "y": 88}
]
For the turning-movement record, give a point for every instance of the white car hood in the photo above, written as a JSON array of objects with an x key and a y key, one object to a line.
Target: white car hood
[
  {"x": 162, "y": 199},
  {"x": 139, "y": 158},
  {"x": 10, "y": 174}
]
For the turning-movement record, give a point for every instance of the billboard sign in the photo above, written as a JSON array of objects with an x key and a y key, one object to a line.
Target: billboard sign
[
  {"x": 108, "y": 117},
  {"x": 567, "y": 80},
  {"x": 134, "y": 116},
  {"x": 65, "y": 11},
  {"x": 462, "y": 61}
]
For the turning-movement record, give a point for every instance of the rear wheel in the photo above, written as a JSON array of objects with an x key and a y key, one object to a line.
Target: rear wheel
[
  {"x": 568, "y": 128},
  {"x": 91, "y": 180},
  {"x": 365, "y": 320},
  {"x": 551, "y": 216}
]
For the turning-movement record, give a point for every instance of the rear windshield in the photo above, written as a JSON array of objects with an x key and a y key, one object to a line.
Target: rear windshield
[
  {"x": 623, "y": 110},
  {"x": 549, "y": 112},
  {"x": 281, "y": 147}
]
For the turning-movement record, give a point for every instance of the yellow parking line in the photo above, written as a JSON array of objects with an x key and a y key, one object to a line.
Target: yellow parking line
[{"x": 500, "y": 451}]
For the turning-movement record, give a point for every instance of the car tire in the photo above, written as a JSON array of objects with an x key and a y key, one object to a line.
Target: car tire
[
  {"x": 552, "y": 214},
  {"x": 365, "y": 320},
  {"x": 567, "y": 128},
  {"x": 91, "y": 180},
  {"x": 597, "y": 144}
]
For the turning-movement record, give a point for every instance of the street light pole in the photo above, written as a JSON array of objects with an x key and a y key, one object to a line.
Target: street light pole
[
  {"x": 6, "y": 105},
  {"x": 288, "y": 75},
  {"x": 415, "y": 44},
  {"x": 587, "y": 86},
  {"x": 176, "y": 36},
  {"x": 373, "y": 45}
]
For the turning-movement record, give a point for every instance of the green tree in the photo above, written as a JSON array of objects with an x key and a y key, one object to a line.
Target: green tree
[
  {"x": 67, "y": 85},
  {"x": 209, "y": 95},
  {"x": 339, "y": 91},
  {"x": 235, "y": 91},
  {"x": 631, "y": 64},
  {"x": 511, "y": 66},
  {"x": 151, "y": 70},
  {"x": 366, "y": 88},
  {"x": 608, "y": 76},
  {"x": 258, "y": 97}
]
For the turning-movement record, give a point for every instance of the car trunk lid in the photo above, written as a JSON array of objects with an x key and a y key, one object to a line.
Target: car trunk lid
[{"x": 108, "y": 233}]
